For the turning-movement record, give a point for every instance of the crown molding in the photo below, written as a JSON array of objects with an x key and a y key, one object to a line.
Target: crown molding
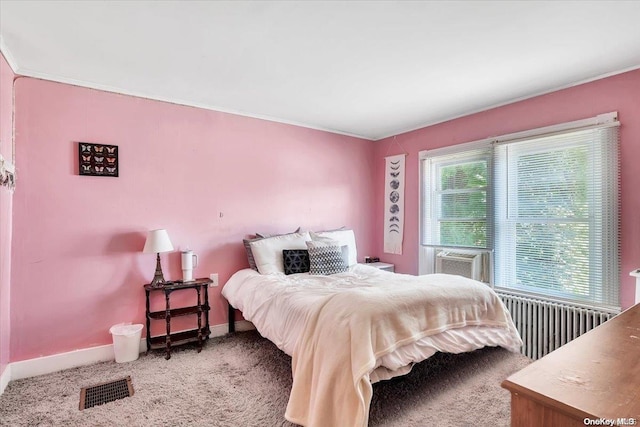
[
  {"x": 508, "y": 102},
  {"x": 8, "y": 56},
  {"x": 113, "y": 89}
]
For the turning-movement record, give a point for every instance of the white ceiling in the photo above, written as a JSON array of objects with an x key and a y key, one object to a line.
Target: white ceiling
[{"x": 369, "y": 69}]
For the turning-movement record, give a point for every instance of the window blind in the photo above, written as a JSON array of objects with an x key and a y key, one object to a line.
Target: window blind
[{"x": 556, "y": 215}]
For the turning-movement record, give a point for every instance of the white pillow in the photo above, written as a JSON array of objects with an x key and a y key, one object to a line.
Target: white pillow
[
  {"x": 267, "y": 253},
  {"x": 345, "y": 237}
]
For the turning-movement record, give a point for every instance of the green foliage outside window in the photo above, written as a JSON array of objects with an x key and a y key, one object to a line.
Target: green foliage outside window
[
  {"x": 552, "y": 228},
  {"x": 546, "y": 205},
  {"x": 463, "y": 204}
]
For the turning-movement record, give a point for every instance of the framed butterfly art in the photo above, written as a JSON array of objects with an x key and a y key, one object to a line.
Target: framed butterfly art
[{"x": 97, "y": 159}]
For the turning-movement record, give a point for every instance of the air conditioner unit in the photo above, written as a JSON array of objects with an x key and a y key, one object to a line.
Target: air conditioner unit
[{"x": 462, "y": 264}]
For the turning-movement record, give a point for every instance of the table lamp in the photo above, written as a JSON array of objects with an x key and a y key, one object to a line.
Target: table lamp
[{"x": 157, "y": 242}]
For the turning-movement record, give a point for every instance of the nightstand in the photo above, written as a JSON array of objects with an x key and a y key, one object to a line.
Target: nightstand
[
  {"x": 382, "y": 266},
  {"x": 200, "y": 309}
]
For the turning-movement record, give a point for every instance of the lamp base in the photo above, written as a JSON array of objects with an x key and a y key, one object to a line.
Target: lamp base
[{"x": 158, "y": 278}]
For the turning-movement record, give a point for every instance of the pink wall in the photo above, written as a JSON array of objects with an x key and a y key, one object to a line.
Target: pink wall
[
  {"x": 77, "y": 265},
  {"x": 618, "y": 93},
  {"x": 6, "y": 134},
  {"x": 76, "y": 262}
]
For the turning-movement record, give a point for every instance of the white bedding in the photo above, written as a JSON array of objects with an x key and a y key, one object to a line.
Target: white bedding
[{"x": 278, "y": 305}]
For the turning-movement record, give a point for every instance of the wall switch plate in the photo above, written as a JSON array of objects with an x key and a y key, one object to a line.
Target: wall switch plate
[{"x": 214, "y": 279}]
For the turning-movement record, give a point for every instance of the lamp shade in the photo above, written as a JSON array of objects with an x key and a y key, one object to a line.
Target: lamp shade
[{"x": 157, "y": 241}]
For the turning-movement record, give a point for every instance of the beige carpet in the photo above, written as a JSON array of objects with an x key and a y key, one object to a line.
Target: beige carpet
[{"x": 244, "y": 380}]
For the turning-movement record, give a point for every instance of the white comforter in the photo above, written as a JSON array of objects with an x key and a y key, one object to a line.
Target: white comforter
[{"x": 280, "y": 306}]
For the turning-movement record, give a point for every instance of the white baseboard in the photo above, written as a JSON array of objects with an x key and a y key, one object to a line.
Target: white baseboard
[
  {"x": 5, "y": 378},
  {"x": 58, "y": 362},
  {"x": 86, "y": 356}
]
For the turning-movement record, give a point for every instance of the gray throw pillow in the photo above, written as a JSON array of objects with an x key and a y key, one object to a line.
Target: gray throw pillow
[{"x": 326, "y": 259}]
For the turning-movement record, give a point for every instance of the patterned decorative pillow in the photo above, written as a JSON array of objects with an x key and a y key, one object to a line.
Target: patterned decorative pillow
[
  {"x": 326, "y": 258},
  {"x": 344, "y": 236},
  {"x": 295, "y": 261}
]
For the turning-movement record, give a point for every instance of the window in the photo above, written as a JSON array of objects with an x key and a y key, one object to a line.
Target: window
[
  {"x": 457, "y": 204},
  {"x": 545, "y": 203},
  {"x": 462, "y": 198}
]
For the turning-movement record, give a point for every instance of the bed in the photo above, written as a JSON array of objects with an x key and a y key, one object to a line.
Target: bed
[{"x": 347, "y": 330}]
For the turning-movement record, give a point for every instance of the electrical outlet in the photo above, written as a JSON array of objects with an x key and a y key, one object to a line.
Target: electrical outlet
[{"x": 214, "y": 279}]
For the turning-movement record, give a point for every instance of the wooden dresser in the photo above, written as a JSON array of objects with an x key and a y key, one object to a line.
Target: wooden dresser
[{"x": 596, "y": 376}]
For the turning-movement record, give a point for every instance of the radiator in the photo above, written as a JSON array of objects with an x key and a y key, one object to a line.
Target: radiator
[{"x": 544, "y": 325}]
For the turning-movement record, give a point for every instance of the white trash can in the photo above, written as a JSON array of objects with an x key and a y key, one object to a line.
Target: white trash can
[{"x": 126, "y": 341}]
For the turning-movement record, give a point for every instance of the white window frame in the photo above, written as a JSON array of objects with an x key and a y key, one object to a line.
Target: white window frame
[
  {"x": 458, "y": 154},
  {"x": 426, "y": 252}
]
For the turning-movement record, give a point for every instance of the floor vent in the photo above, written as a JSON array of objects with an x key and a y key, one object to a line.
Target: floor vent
[{"x": 105, "y": 392}]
